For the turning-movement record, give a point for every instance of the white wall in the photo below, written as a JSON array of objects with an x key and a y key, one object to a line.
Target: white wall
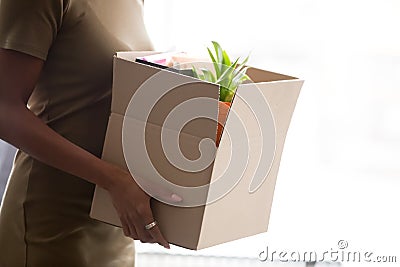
[
  {"x": 340, "y": 171},
  {"x": 7, "y": 153}
]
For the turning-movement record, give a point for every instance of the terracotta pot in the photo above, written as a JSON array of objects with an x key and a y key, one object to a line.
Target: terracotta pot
[{"x": 223, "y": 109}]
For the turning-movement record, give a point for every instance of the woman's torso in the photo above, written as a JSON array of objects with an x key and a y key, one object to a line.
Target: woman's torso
[{"x": 44, "y": 217}]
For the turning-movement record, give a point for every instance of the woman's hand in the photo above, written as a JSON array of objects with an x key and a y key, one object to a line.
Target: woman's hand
[{"x": 133, "y": 207}]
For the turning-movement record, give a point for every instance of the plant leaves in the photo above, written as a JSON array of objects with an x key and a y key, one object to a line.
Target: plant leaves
[
  {"x": 240, "y": 77},
  {"x": 216, "y": 68},
  {"x": 196, "y": 74},
  {"x": 228, "y": 72},
  {"x": 208, "y": 75},
  {"x": 226, "y": 62},
  {"x": 226, "y": 59},
  {"x": 226, "y": 95},
  {"x": 218, "y": 51}
]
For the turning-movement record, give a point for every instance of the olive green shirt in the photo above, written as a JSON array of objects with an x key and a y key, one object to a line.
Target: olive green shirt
[{"x": 44, "y": 219}]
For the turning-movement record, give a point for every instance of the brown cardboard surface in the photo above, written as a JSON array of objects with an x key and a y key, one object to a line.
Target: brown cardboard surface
[
  {"x": 179, "y": 225},
  {"x": 245, "y": 209},
  {"x": 246, "y": 214}
]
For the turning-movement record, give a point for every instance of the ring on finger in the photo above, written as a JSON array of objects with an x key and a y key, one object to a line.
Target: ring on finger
[{"x": 150, "y": 225}]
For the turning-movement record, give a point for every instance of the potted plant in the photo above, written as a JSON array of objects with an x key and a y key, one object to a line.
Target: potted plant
[{"x": 228, "y": 74}]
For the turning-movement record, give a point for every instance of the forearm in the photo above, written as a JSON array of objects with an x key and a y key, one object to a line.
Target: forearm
[{"x": 21, "y": 128}]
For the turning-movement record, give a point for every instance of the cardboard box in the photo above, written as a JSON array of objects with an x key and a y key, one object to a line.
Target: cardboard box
[{"x": 227, "y": 191}]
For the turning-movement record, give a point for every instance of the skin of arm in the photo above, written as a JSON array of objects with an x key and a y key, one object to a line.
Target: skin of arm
[{"x": 19, "y": 73}]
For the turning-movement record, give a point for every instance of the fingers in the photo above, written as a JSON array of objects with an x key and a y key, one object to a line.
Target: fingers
[
  {"x": 153, "y": 233},
  {"x": 128, "y": 230},
  {"x": 135, "y": 228},
  {"x": 156, "y": 234},
  {"x": 125, "y": 227},
  {"x": 143, "y": 234},
  {"x": 133, "y": 207},
  {"x": 137, "y": 223},
  {"x": 133, "y": 232}
]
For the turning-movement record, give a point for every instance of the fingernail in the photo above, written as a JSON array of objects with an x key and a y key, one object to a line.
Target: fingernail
[
  {"x": 166, "y": 245},
  {"x": 176, "y": 198}
]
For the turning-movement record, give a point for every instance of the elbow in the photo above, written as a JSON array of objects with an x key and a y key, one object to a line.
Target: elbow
[{"x": 10, "y": 115}]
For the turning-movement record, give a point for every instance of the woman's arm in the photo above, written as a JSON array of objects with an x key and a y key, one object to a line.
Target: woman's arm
[{"x": 20, "y": 127}]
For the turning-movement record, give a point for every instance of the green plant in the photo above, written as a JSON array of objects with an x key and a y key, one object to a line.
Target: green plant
[{"x": 228, "y": 74}]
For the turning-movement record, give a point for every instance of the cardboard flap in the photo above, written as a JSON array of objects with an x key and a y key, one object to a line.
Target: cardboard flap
[
  {"x": 259, "y": 75},
  {"x": 132, "y": 55},
  {"x": 248, "y": 170},
  {"x": 165, "y": 98},
  {"x": 252, "y": 118}
]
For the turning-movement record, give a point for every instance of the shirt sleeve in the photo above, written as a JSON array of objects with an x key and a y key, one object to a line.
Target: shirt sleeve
[{"x": 30, "y": 26}]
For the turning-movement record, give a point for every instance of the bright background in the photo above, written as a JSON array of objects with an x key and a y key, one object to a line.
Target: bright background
[{"x": 339, "y": 176}]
